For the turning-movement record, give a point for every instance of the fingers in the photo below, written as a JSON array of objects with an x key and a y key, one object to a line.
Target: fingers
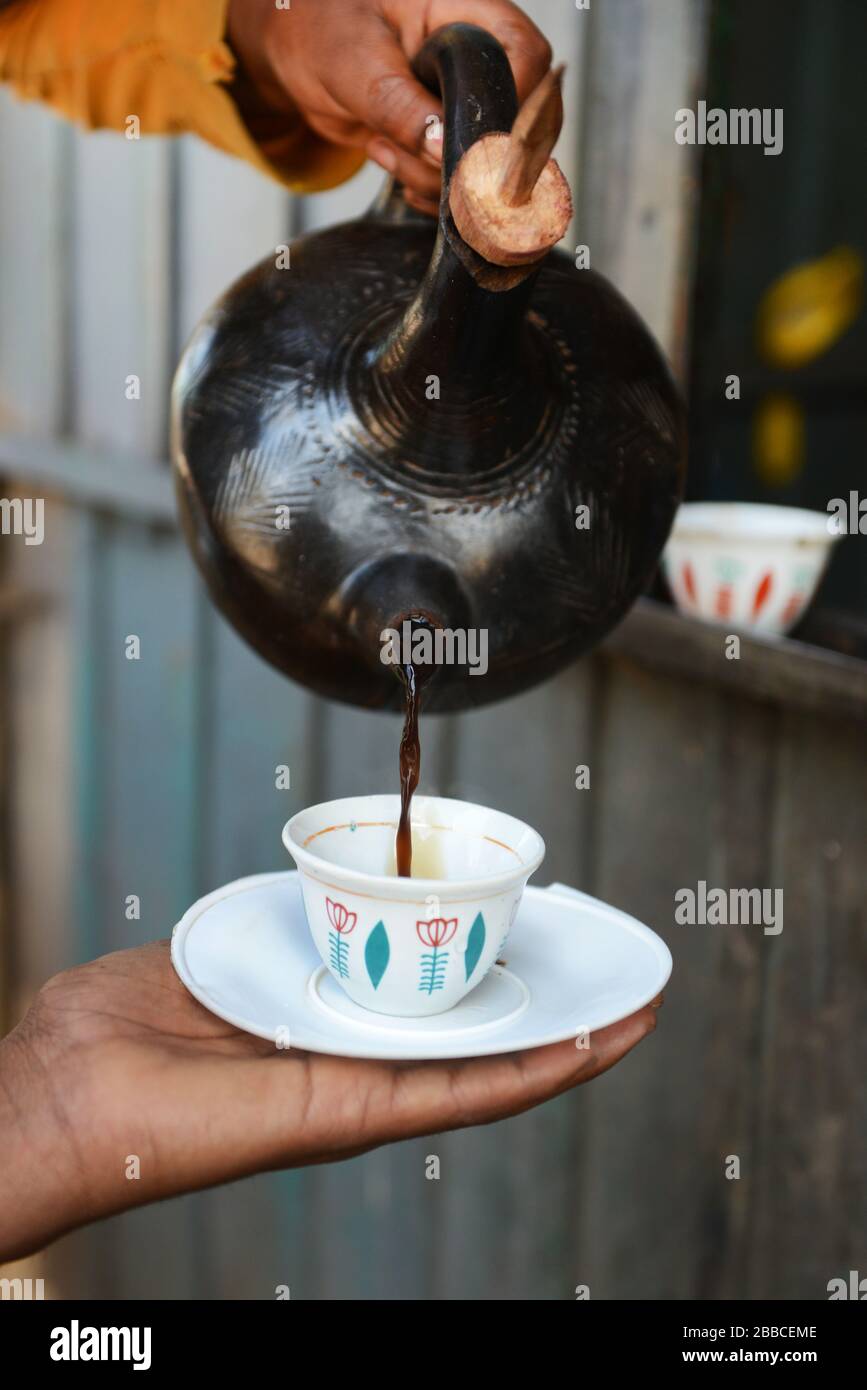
[
  {"x": 394, "y": 112},
  {"x": 390, "y": 101},
  {"x": 383, "y": 94},
  {"x": 353, "y": 81},
  {"x": 612, "y": 1044},
  {"x": 425, "y": 205},
  {"x": 529, "y": 51},
  {"x": 432, "y": 1097},
  {"x": 417, "y": 175}
]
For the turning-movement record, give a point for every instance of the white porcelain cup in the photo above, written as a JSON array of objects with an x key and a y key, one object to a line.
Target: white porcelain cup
[
  {"x": 410, "y": 946},
  {"x": 747, "y": 565}
]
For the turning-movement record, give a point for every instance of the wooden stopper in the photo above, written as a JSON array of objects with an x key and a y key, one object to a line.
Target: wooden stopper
[
  {"x": 533, "y": 137},
  {"x": 509, "y": 199}
]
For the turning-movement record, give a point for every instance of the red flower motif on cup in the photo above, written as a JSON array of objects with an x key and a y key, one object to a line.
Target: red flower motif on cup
[
  {"x": 341, "y": 919},
  {"x": 437, "y": 932}
]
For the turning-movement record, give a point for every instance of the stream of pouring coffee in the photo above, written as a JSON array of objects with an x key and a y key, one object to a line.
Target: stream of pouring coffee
[
  {"x": 410, "y": 765},
  {"x": 413, "y": 678}
]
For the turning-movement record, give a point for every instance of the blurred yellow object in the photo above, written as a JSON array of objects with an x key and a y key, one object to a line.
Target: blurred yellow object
[
  {"x": 806, "y": 310},
  {"x": 778, "y": 440}
]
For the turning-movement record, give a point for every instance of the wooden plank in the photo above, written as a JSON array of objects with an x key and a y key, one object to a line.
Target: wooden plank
[
  {"x": 520, "y": 756},
  {"x": 654, "y": 834},
  {"x": 786, "y": 670},
  {"x": 85, "y": 1260},
  {"x": 41, "y": 655},
  {"x": 229, "y": 216},
  {"x": 254, "y": 1234},
  {"x": 151, "y": 710},
  {"x": 105, "y": 480},
  {"x": 7, "y": 948},
  {"x": 258, "y": 721},
  {"x": 808, "y": 1213},
  {"x": 86, "y": 697},
  {"x": 120, "y": 266},
  {"x": 36, "y": 658},
  {"x": 32, "y": 266},
  {"x": 746, "y": 756},
  {"x": 638, "y": 186}
]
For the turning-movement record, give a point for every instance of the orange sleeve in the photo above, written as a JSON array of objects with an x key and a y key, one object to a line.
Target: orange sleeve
[{"x": 166, "y": 62}]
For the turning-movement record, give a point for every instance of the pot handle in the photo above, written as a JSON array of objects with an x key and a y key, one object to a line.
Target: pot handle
[{"x": 470, "y": 70}]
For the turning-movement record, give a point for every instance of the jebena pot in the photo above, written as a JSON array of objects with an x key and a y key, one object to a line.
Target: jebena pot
[{"x": 393, "y": 425}]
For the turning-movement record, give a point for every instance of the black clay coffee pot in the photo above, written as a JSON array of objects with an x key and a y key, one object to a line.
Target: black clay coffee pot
[{"x": 396, "y": 425}]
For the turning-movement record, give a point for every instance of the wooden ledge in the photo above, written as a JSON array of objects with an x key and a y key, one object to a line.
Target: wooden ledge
[{"x": 787, "y": 671}]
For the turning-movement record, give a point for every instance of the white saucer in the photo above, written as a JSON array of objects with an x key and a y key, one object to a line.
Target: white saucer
[{"x": 570, "y": 963}]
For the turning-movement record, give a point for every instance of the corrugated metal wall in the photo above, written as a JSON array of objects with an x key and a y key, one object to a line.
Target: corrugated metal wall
[{"x": 156, "y": 777}]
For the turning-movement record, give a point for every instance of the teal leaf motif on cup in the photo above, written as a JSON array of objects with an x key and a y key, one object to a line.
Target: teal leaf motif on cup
[
  {"x": 475, "y": 944},
  {"x": 376, "y": 954}
]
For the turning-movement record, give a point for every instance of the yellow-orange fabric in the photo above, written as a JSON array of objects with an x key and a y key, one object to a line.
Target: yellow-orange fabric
[{"x": 166, "y": 62}]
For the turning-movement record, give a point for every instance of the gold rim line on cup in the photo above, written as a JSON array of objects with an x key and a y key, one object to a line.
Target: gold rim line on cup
[{"x": 422, "y": 825}]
